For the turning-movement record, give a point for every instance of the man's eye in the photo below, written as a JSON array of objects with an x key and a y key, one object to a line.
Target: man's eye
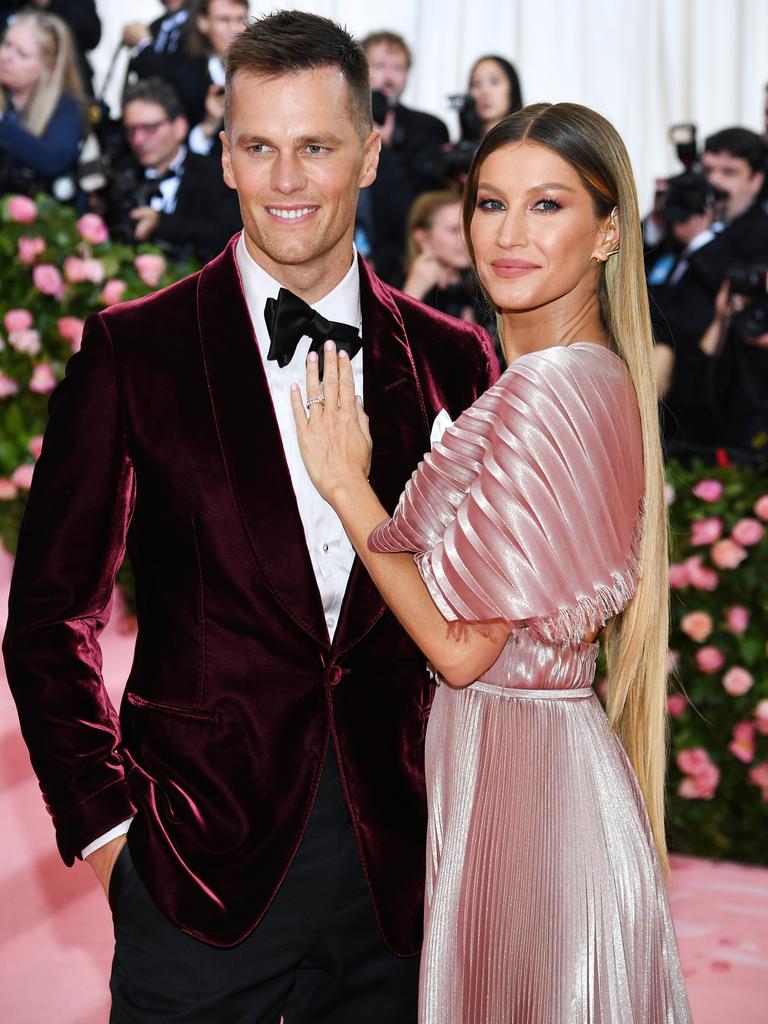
[
  {"x": 257, "y": 148},
  {"x": 316, "y": 150},
  {"x": 490, "y": 205}
]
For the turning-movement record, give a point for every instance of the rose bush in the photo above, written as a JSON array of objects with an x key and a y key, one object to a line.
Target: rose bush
[{"x": 54, "y": 271}]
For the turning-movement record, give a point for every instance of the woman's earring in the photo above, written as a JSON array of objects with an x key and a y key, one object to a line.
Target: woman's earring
[{"x": 612, "y": 226}]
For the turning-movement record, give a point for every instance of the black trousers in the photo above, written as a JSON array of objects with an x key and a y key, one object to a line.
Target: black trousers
[{"x": 316, "y": 956}]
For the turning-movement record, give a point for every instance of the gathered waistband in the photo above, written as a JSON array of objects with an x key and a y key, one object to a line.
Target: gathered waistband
[{"x": 512, "y": 692}]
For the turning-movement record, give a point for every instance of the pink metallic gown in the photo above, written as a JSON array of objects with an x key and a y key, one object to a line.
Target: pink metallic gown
[{"x": 545, "y": 900}]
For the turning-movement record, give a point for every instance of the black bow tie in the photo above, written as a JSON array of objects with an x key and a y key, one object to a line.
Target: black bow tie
[{"x": 289, "y": 319}]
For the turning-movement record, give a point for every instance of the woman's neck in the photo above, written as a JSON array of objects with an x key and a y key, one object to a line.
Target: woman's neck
[
  {"x": 20, "y": 98},
  {"x": 552, "y": 325}
]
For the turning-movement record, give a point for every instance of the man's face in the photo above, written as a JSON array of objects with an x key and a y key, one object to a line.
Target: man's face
[
  {"x": 733, "y": 175},
  {"x": 172, "y": 6},
  {"x": 224, "y": 21},
  {"x": 389, "y": 70},
  {"x": 294, "y": 153},
  {"x": 152, "y": 136}
]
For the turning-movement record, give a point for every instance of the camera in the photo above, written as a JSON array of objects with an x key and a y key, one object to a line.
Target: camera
[
  {"x": 751, "y": 282},
  {"x": 688, "y": 194},
  {"x": 683, "y": 138}
]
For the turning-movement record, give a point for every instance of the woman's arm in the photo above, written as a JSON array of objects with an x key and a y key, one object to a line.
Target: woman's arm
[{"x": 335, "y": 444}]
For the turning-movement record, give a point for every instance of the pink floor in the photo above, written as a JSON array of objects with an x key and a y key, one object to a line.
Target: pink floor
[{"x": 55, "y": 928}]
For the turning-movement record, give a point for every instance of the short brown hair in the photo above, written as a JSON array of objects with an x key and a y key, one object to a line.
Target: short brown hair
[
  {"x": 291, "y": 41},
  {"x": 390, "y": 39}
]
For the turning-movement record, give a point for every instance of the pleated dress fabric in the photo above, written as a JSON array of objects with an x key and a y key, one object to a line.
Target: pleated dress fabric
[{"x": 545, "y": 900}]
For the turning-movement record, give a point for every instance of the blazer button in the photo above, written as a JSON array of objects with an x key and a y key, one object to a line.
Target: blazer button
[{"x": 333, "y": 675}]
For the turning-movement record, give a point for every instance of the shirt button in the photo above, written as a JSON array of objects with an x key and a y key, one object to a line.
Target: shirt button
[
  {"x": 325, "y": 547},
  {"x": 331, "y": 620}
]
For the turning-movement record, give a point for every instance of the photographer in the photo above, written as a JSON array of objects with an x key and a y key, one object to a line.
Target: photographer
[
  {"x": 41, "y": 97},
  {"x": 161, "y": 192},
  {"x": 735, "y": 347},
  {"x": 152, "y": 43},
  {"x": 411, "y": 141}
]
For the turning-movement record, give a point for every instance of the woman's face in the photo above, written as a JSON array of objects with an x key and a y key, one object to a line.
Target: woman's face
[
  {"x": 535, "y": 231},
  {"x": 489, "y": 88},
  {"x": 443, "y": 239},
  {"x": 22, "y": 64}
]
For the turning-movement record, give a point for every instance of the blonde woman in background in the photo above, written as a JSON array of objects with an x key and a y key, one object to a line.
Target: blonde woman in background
[
  {"x": 437, "y": 262},
  {"x": 41, "y": 104},
  {"x": 533, "y": 529}
]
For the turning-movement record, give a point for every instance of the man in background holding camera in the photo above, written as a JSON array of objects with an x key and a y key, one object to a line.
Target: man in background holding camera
[
  {"x": 410, "y": 140},
  {"x": 161, "y": 192}
]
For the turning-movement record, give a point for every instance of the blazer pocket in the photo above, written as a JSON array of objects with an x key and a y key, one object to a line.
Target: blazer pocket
[{"x": 196, "y": 714}]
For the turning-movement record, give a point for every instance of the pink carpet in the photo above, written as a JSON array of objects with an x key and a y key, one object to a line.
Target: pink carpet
[{"x": 56, "y": 936}]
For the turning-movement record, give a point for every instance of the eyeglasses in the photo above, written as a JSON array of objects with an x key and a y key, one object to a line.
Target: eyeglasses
[{"x": 131, "y": 130}]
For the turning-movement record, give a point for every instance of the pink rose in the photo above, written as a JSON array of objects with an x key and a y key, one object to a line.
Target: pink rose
[
  {"x": 26, "y": 342},
  {"x": 93, "y": 229},
  {"x": 697, "y": 626},
  {"x": 678, "y": 576},
  {"x": 693, "y": 760},
  {"x": 8, "y": 386},
  {"x": 748, "y": 532},
  {"x": 150, "y": 267},
  {"x": 737, "y": 681},
  {"x": 43, "y": 379},
  {"x": 71, "y": 330},
  {"x": 35, "y": 446},
  {"x": 30, "y": 249},
  {"x": 737, "y": 619},
  {"x": 48, "y": 280},
  {"x": 22, "y": 209},
  {"x": 8, "y": 489},
  {"x": 673, "y": 660},
  {"x": 708, "y": 490},
  {"x": 699, "y": 575},
  {"x": 759, "y": 774},
  {"x": 761, "y": 717},
  {"x": 18, "y": 320},
  {"x": 742, "y": 746},
  {"x": 669, "y": 494},
  {"x": 706, "y": 531},
  {"x": 94, "y": 270},
  {"x": 727, "y": 554},
  {"x": 709, "y": 659},
  {"x": 22, "y": 477},
  {"x": 676, "y": 705},
  {"x": 74, "y": 270},
  {"x": 113, "y": 291},
  {"x": 760, "y": 508},
  {"x": 700, "y": 787}
]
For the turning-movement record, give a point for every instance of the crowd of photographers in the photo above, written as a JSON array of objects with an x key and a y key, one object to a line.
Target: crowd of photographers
[{"x": 154, "y": 174}]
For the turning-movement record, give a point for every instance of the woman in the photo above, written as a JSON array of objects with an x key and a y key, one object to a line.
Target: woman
[
  {"x": 437, "y": 262},
  {"x": 495, "y": 87},
  {"x": 545, "y": 873},
  {"x": 41, "y": 96}
]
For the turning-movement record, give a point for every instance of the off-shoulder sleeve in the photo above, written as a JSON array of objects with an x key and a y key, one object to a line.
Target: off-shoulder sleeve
[{"x": 528, "y": 510}]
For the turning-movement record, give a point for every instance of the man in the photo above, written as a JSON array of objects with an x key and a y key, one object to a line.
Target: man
[
  {"x": 162, "y": 193},
  {"x": 152, "y": 43},
  {"x": 411, "y": 144},
  {"x": 267, "y": 765}
]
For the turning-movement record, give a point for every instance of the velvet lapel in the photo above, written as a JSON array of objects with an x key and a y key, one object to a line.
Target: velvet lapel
[
  {"x": 251, "y": 445},
  {"x": 399, "y": 428}
]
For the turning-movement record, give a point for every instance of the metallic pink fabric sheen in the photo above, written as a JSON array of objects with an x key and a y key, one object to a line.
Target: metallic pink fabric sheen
[{"x": 545, "y": 900}]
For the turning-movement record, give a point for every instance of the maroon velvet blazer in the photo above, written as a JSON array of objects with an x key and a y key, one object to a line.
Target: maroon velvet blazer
[{"x": 163, "y": 437}]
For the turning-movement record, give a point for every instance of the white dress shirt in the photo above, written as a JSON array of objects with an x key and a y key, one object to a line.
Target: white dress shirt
[
  {"x": 168, "y": 187},
  {"x": 330, "y": 550}
]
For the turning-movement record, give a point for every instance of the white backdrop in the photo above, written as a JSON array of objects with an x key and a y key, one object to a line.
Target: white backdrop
[{"x": 645, "y": 64}]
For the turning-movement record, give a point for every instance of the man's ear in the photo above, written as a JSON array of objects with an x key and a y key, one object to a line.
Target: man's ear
[
  {"x": 756, "y": 183},
  {"x": 226, "y": 160},
  {"x": 371, "y": 151},
  {"x": 180, "y": 128}
]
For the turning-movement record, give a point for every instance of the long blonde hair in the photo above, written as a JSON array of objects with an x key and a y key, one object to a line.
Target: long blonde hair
[
  {"x": 636, "y": 640},
  {"x": 57, "y": 49}
]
